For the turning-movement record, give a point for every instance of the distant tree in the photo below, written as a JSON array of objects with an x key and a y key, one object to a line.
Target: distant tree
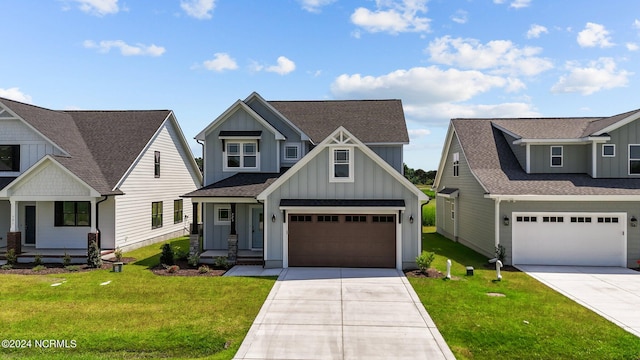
[
  {"x": 419, "y": 176},
  {"x": 199, "y": 162}
]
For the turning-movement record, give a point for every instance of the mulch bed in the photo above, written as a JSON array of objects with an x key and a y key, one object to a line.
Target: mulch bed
[
  {"x": 431, "y": 273},
  {"x": 56, "y": 268},
  {"x": 187, "y": 270}
]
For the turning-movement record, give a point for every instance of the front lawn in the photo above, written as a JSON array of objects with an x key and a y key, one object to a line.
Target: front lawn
[
  {"x": 530, "y": 322},
  {"x": 133, "y": 314}
]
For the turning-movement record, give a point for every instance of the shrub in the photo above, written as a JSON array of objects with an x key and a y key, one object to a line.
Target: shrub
[
  {"x": 72, "y": 268},
  {"x": 167, "y": 254},
  {"x": 173, "y": 269},
  {"x": 118, "y": 255},
  {"x": 37, "y": 260},
  {"x": 194, "y": 259},
  {"x": 66, "y": 259},
  {"x": 424, "y": 260},
  {"x": 11, "y": 256},
  {"x": 180, "y": 254},
  {"x": 221, "y": 262},
  {"x": 501, "y": 253},
  {"x": 6, "y": 267},
  {"x": 93, "y": 258},
  {"x": 39, "y": 268},
  {"x": 203, "y": 269}
]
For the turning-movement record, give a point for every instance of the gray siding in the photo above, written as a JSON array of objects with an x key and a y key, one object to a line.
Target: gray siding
[
  {"x": 475, "y": 213},
  {"x": 239, "y": 121},
  {"x": 631, "y": 208},
  {"x": 575, "y": 159},
  {"x": 5, "y": 221},
  {"x": 216, "y": 235},
  {"x": 370, "y": 182},
  {"x": 618, "y": 166},
  {"x": 518, "y": 150},
  {"x": 392, "y": 154}
]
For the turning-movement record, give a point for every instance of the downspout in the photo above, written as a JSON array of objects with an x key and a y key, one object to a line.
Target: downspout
[
  {"x": 497, "y": 222},
  {"x": 202, "y": 145},
  {"x": 98, "y": 218}
]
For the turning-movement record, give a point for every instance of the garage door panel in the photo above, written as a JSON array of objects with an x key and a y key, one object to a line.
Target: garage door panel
[{"x": 351, "y": 241}]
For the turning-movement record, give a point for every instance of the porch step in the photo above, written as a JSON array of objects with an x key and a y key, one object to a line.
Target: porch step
[{"x": 249, "y": 260}]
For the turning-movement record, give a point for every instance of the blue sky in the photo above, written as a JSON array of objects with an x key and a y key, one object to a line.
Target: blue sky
[{"x": 443, "y": 58}]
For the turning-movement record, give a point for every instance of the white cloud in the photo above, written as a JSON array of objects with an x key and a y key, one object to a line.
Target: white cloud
[
  {"x": 594, "y": 35},
  {"x": 460, "y": 17},
  {"x": 15, "y": 94},
  {"x": 636, "y": 24},
  {"x": 284, "y": 66},
  {"x": 632, "y": 47},
  {"x": 418, "y": 133},
  {"x": 536, "y": 30},
  {"x": 220, "y": 62},
  {"x": 314, "y": 6},
  {"x": 98, "y": 7},
  {"x": 125, "y": 49},
  {"x": 439, "y": 114},
  {"x": 598, "y": 75},
  {"x": 393, "y": 17},
  {"x": 500, "y": 56},
  {"x": 199, "y": 9},
  {"x": 519, "y": 4}
]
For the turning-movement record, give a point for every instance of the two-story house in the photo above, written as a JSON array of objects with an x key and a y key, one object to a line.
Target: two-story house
[
  {"x": 310, "y": 183},
  {"x": 551, "y": 191},
  {"x": 67, "y": 176}
]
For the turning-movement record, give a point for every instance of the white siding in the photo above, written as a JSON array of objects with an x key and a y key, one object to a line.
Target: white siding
[
  {"x": 107, "y": 223},
  {"x": 50, "y": 179},
  {"x": 50, "y": 236},
  {"x": 33, "y": 147},
  {"x": 141, "y": 188}
]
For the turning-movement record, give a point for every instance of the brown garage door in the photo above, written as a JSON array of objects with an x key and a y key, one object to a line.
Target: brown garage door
[{"x": 342, "y": 240}]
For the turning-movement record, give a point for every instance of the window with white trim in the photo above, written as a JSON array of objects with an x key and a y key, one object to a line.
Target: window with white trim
[
  {"x": 556, "y": 156},
  {"x": 341, "y": 164},
  {"x": 453, "y": 209},
  {"x": 240, "y": 155},
  {"x": 291, "y": 151},
  {"x": 456, "y": 164},
  {"x": 634, "y": 159},
  {"x": 223, "y": 214},
  {"x": 608, "y": 150}
]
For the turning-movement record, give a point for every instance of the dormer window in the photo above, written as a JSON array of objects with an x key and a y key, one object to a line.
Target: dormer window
[
  {"x": 241, "y": 155},
  {"x": 10, "y": 158},
  {"x": 341, "y": 165},
  {"x": 556, "y": 156}
]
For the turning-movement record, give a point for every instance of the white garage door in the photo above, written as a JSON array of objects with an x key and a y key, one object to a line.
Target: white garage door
[{"x": 589, "y": 239}]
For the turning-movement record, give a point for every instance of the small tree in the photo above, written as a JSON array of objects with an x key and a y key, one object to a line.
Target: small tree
[
  {"x": 11, "y": 257},
  {"x": 94, "y": 259},
  {"x": 167, "y": 254},
  {"x": 424, "y": 260}
]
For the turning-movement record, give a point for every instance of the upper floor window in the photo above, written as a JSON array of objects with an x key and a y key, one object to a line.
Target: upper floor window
[
  {"x": 556, "y": 156},
  {"x": 292, "y": 151},
  {"x": 608, "y": 150},
  {"x": 9, "y": 157},
  {"x": 456, "y": 164},
  {"x": 241, "y": 155},
  {"x": 634, "y": 159},
  {"x": 156, "y": 164},
  {"x": 341, "y": 165},
  {"x": 72, "y": 213}
]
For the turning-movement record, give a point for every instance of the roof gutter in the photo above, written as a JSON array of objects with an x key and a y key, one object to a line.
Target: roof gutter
[
  {"x": 514, "y": 198},
  {"x": 582, "y": 140}
]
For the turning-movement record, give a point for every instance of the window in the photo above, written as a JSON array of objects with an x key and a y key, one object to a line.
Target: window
[
  {"x": 553, "y": 219},
  {"x": 241, "y": 155},
  {"x": 156, "y": 164},
  {"x": 556, "y": 156},
  {"x": 580, "y": 219},
  {"x": 327, "y": 218},
  {"x": 382, "y": 218},
  {"x": 608, "y": 220},
  {"x": 608, "y": 150},
  {"x": 527, "y": 219},
  {"x": 341, "y": 169},
  {"x": 223, "y": 214},
  {"x": 453, "y": 209},
  {"x": 177, "y": 211},
  {"x": 156, "y": 215},
  {"x": 9, "y": 157},
  {"x": 355, "y": 218},
  {"x": 456, "y": 164},
  {"x": 634, "y": 159},
  {"x": 292, "y": 152},
  {"x": 301, "y": 218},
  {"x": 72, "y": 213}
]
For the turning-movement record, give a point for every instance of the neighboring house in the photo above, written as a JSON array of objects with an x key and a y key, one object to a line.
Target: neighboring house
[
  {"x": 67, "y": 175},
  {"x": 310, "y": 183},
  {"x": 551, "y": 191}
]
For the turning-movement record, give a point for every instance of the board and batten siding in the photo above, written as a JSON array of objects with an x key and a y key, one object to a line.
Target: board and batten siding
[
  {"x": 33, "y": 147},
  {"x": 575, "y": 159},
  {"x": 618, "y": 166},
  {"x": 475, "y": 213},
  {"x": 141, "y": 188},
  {"x": 238, "y": 121},
  {"x": 216, "y": 235},
  {"x": 370, "y": 182},
  {"x": 5, "y": 221},
  {"x": 392, "y": 154},
  {"x": 631, "y": 208}
]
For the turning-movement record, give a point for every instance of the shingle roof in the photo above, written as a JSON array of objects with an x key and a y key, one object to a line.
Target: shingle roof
[
  {"x": 342, "y": 202},
  {"x": 491, "y": 160},
  {"x": 101, "y": 145},
  {"x": 238, "y": 185},
  {"x": 371, "y": 121}
]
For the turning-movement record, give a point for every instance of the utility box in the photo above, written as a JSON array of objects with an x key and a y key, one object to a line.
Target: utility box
[{"x": 469, "y": 270}]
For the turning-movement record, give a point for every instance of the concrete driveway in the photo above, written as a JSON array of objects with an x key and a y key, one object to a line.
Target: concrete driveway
[
  {"x": 611, "y": 292},
  {"x": 333, "y": 313}
]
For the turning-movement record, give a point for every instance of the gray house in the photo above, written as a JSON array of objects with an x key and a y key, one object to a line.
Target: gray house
[
  {"x": 552, "y": 191},
  {"x": 309, "y": 183}
]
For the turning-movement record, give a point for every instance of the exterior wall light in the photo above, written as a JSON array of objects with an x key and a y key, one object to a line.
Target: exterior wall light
[
  {"x": 633, "y": 221},
  {"x": 273, "y": 218},
  {"x": 411, "y": 219},
  {"x": 505, "y": 220}
]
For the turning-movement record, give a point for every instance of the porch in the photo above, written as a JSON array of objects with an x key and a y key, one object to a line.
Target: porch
[
  {"x": 245, "y": 257},
  {"x": 50, "y": 256}
]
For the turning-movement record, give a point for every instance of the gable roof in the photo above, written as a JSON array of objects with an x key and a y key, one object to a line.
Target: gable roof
[
  {"x": 88, "y": 139},
  {"x": 238, "y": 105},
  {"x": 371, "y": 121}
]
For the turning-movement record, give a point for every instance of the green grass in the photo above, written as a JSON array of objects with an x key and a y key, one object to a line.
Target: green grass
[
  {"x": 429, "y": 210},
  {"x": 137, "y": 315},
  {"x": 531, "y": 322}
]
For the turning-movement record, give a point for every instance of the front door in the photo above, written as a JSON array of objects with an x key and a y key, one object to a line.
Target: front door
[
  {"x": 30, "y": 225},
  {"x": 257, "y": 225}
]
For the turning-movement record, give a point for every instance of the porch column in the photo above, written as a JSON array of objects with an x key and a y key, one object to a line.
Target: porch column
[
  {"x": 14, "y": 237},
  {"x": 194, "y": 237},
  {"x": 196, "y": 220},
  {"x": 233, "y": 238},
  {"x": 93, "y": 215},
  {"x": 93, "y": 235}
]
